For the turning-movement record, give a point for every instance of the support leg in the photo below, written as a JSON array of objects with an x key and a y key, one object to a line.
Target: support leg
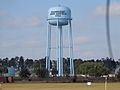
[
  {"x": 71, "y": 50},
  {"x": 48, "y": 49},
  {"x": 60, "y": 50}
]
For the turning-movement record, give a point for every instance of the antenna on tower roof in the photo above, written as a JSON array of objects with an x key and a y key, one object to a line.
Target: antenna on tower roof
[
  {"x": 59, "y": 5},
  {"x": 59, "y": 1}
]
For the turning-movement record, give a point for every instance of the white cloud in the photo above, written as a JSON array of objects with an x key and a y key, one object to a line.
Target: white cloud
[
  {"x": 7, "y": 44},
  {"x": 32, "y": 21},
  {"x": 21, "y": 22},
  {"x": 2, "y": 13},
  {"x": 77, "y": 23},
  {"x": 82, "y": 40},
  {"x": 114, "y": 10},
  {"x": 88, "y": 54},
  {"x": 32, "y": 44}
]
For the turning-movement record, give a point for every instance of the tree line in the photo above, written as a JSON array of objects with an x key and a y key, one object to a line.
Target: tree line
[{"x": 36, "y": 68}]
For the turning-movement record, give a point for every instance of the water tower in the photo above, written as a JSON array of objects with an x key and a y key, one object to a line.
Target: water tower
[{"x": 59, "y": 16}]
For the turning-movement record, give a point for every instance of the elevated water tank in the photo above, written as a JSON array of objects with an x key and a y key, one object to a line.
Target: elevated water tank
[{"x": 59, "y": 15}]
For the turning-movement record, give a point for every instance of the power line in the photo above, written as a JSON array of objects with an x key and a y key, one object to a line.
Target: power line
[{"x": 108, "y": 29}]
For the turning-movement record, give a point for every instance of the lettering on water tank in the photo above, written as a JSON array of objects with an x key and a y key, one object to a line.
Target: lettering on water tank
[{"x": 58, "y": 13}]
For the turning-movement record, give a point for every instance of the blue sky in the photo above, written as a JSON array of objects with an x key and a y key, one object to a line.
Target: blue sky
[{"x": 23, "y": 28}]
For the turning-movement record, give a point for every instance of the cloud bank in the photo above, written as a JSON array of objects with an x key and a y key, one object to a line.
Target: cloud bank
[
  {"x": 114, "y": 10},
  {"x": 2, "y": 12},
  {"x": 21, "y": 22},
  {"x": 84, "y": 39}
]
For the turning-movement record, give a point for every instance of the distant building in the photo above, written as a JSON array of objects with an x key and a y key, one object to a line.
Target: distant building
[
  {"x": 9, "y": 76},
  {"x": 11, "y": 72}
]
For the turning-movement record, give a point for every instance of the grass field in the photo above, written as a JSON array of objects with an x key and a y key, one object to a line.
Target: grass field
[{"x": 59, "y": 86}]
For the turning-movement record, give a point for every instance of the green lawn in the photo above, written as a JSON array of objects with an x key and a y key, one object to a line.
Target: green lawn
[{"x": 59, "y": 86}]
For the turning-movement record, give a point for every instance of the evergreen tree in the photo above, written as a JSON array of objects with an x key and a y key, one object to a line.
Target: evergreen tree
[{"x": 24, "y": 73}]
